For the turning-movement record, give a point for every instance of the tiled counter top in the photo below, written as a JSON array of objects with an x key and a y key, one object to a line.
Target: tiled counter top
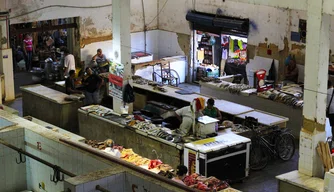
[{"x": 302, "y": 181}]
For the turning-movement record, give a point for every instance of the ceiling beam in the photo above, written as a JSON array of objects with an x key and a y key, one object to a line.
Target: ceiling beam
[{"x": 284, "y": 4}]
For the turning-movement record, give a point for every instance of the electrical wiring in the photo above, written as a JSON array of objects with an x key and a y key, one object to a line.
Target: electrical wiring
[
  {"x": 162, "y": 8},
  {"x": 58, "y": 6}
]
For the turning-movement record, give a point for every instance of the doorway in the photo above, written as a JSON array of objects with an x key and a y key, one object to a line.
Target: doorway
[{"x": 36, "y": 44}]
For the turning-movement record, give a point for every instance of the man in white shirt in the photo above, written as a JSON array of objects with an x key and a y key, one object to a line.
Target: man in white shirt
[
  {"x": 330, "y": 104},
  {"x": 69, "y": 62}
]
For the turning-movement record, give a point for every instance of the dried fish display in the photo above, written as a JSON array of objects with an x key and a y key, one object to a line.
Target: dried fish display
[
  {"x": 239, "y": 128},
  {"x": 282, "y": 97},
  {"x": 234, "y": 88},
  {"x": 144, "y": 126}
]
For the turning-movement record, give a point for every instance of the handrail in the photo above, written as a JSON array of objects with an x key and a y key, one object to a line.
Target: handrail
[
  {"x": 20, "y": 151},
  {"x": 128, "y": 165}
]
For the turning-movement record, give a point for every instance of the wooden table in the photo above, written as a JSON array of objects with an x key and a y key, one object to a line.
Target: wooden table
[{"x": 50, "y": 106}]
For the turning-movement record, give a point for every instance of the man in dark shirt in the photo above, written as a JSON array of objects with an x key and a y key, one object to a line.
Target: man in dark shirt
[
  {"x": 69, "y": 84},
  {"x": 92, "y": 86}
]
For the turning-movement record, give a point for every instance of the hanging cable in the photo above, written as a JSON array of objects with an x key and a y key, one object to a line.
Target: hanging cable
[{"x": 162, "y": 8}]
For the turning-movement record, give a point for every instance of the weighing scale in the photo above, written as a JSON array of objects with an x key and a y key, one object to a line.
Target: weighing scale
[{"x": 225, "y": 157}]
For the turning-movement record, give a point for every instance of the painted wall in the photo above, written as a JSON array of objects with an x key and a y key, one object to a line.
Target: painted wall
[
  {"x": 137, "y": 44},
  {"x": 275, "y": 24}
]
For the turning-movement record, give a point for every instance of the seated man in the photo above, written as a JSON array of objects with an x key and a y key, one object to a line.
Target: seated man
[
  {"x": 291, "y": 71},
  {"x": 101, "y": 61},
  {"x": 69, "y": 84}
]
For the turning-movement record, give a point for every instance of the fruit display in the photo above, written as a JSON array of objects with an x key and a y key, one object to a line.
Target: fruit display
[{"x": 194, "y": 181}]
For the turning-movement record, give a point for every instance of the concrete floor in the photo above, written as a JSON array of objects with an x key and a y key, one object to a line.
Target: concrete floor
[{"x": 258, "y": 181}]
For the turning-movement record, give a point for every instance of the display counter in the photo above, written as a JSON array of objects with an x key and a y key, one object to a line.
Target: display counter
[
  {"x": 294, "y": 114},
  {"x": 226, "y": 107},
  {"x": 113, "y": 126},
  {"x": 50, "y": 106}
]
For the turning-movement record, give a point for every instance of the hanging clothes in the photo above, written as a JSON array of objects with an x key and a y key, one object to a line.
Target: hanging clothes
[
  {"x": 236, "y": 47},
  {"x": 231, "y": 45},
  {"x": 240, "y": 43}
]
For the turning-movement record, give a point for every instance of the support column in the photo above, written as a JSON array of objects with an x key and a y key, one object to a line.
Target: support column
[
  {"x": 6, "y": 60},
  {"x": 315, "y": 89},
  {"x": 122, "y": 42}
]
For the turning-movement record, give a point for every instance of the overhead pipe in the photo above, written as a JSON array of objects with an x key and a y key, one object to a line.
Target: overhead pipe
[
  {"x": 20, "y": 151},
  {"x": 127, "y": 165},
  {"x": 145, "y": 29}
]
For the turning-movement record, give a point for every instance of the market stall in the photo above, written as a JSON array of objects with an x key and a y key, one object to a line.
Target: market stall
[
  {"x": 158, "y": 142},
  {"x": 286, "y": 102},
  {"x": 94, "y": 126},
  {"x": 148, "y": 92},
  {"x": 159, "y": 167},
  {"x": 60, "y": 112}
]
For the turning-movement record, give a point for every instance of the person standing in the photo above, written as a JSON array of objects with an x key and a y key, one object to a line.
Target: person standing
[
  {"x": 188, "y": 115},
  {"x": 28, "y": 50},
  {"x": 69, "y": 84},
  {"x": 330, "y": 104},
  {"x": 92, "y": 84},
  {"x": 69, "y": 62}
]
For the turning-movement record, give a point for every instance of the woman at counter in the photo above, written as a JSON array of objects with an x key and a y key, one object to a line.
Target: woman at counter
[
  {"x": 212, "y": 111},
  {"x": 188, "y": 115},
  {"x": 181, "y": 173}
]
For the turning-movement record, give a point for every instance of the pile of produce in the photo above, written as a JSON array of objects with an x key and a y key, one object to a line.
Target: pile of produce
[
  {"x": 195, "y": 181},
  {"x": 205, "y": 184}
]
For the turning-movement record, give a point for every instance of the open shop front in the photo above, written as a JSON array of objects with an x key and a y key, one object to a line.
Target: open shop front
[
  {"x": 219, "y": 45},
  {"x": 224, "y": 70},
  {"x": 38, "y": 47}
]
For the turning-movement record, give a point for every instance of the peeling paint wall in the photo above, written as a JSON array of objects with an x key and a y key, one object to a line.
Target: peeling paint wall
[{"x": 271, "y": 23}]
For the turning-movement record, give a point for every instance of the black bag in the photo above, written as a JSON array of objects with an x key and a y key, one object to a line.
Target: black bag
[
  {"x": 330, "y": 102},
  {"x": 128, "y": 95}
]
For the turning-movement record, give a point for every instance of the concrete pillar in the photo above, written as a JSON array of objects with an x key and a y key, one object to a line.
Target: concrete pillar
[
  {"x": 316, "y": 70},
  {"x": 6, "y": 59},
  {"x": 122, "y": 42}
]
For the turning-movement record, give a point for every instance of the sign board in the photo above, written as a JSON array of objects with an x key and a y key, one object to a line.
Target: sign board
[{"x": 116, "y": 80}]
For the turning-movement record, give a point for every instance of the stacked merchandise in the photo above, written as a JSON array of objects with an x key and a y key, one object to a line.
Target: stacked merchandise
[{"x": 157, "y": 166}]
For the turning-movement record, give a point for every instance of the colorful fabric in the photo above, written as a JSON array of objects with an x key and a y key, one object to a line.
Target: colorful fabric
[
  {"x": 28, "y": 44},
  {"x": 200, "y": 103}
]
